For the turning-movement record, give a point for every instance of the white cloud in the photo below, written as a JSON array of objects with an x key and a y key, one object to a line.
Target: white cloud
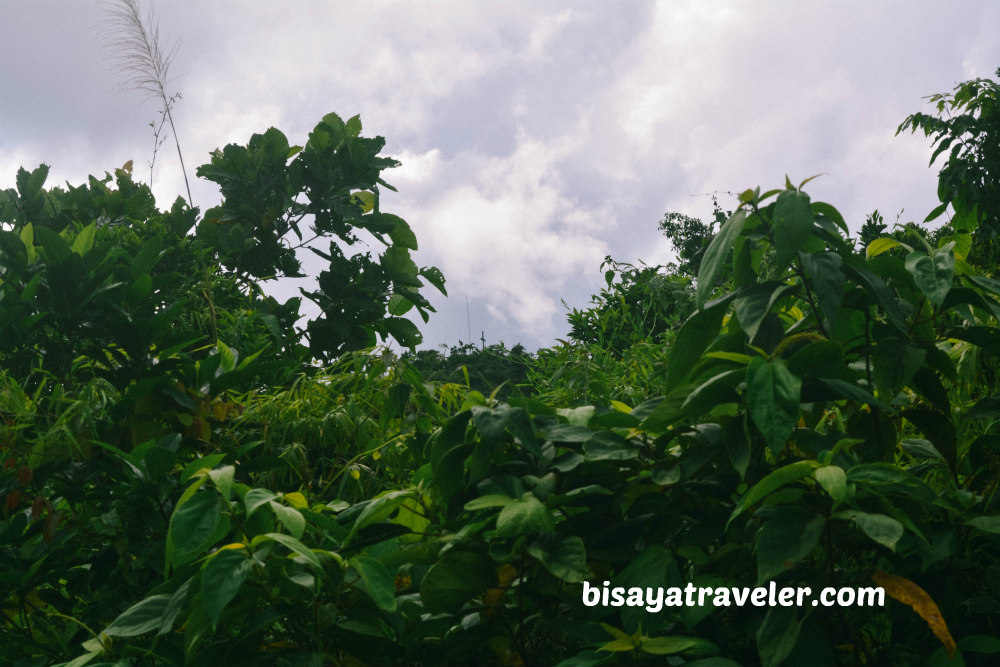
[{"x": 511, "y": 234}]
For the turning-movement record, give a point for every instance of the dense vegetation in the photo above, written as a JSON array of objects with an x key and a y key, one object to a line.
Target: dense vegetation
[{"x": 191, "y": 478}]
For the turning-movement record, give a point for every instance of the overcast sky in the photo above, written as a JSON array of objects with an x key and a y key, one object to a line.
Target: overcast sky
[{"x": 536, "y": 137}]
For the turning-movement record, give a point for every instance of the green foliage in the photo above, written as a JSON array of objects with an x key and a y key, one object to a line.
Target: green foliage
[
  {"x": 486, "y": 369},
  {"x": 183, "y": 485},
  {"x": 637, "y": 304},
  {"x": 966, "y": 128}
]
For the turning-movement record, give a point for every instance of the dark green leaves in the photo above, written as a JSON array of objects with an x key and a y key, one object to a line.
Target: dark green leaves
[
  {"x": 788, "y": 536},
  {"x": 717, "y": 255},
  {"x": 793, "y": 224},
  {"x": 455, "y": 579},
  {"x": 773, "y": 398}
]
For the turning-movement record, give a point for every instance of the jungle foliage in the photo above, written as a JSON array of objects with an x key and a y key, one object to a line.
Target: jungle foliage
[{"x": 183, "y": 485}]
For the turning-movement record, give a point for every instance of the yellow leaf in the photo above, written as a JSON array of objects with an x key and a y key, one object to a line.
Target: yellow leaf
[
  {"x": 916, "y": 598},
  {"x": 879, "y": 246},
  {"x": 621, "y": 407},
  {"x": 296, "y": 500}
]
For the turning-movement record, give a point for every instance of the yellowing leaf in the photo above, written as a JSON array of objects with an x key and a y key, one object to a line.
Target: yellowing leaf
[
  {"x": 621, "y": 407},
  {"x": 296, "y": 500},
  {"x": 365, "y": 199},
  {"x": 879, "y": 246},
  {"x": 916, "y": 598}
]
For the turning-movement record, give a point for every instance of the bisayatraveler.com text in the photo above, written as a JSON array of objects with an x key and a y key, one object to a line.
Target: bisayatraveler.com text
[{"x": 656, "y": 598}]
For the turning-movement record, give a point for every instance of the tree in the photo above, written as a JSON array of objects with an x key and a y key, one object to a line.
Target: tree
[{"x": 966, "y": 127}]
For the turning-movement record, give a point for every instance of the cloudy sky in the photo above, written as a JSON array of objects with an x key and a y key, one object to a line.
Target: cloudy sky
[{"x": 536, "y": 137}]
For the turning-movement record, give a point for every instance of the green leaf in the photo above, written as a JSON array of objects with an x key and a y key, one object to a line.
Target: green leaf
[
  {"x": 379, "y": 582},
  {"x": 292, "y": 544},
  {"x": 404, "y": 331},
  {"x": 455, "y": 579},
  {"x": 398, "y": 305},
  {"x": 177, "y": 600},
  {"x": 489, "y": 500},
  {"x": 525, "y": 516},
  {"x": 789, "y": 535},
  {"x": 673, "y": 645},
  {"x": 84, "y": 241},
  {"x": 693, "y": 338},
  {"x": 987, "y": 524},
  {"x": 751, "y": 306},
  {"x": 879, "y": 246},
  {"x": 290, "y": 517},
  {"x": 140, "y": 618},
  {"x": 833, "y": 479},
  {"x": 881, "y": 528},
  {"x": 822, "y": 208},
  {"x": 717, "y": 254},
  {"x": 895, "y": 364},
  {"x": 222, "y": 478},
  {"x": 221, "y": 579},
  {"x": 254, "y": 498},
  {"x": 195, "y": 525},
  {"x": 773, "y": 396},
  {"x": 401, "y": 234},
  {"x": 793, "y": 225},
  {"x": 773, "y": 482},
  {"x": 778, "y": 634},
  {"x": 933, "y": 274},
  {"x": 566, "y": 559},
  {"x": 828, "y": 280},
  {"x": 609, "y": 446}
]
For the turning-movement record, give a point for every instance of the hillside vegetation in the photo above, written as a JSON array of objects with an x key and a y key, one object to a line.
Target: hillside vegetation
[{"x": 191, "y": 478}]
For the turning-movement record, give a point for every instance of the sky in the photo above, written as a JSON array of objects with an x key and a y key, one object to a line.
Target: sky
[{"x": 536, "y": 138}]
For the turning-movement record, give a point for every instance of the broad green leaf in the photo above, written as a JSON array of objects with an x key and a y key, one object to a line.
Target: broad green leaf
[
  {"x": 398, "y": 305},
  {"x": 895, "y": 364},
  {"x": 793, "y": 225},
  {"x": 933, "y": 274},
  {"x": 656, "y": 567},
  {"x": 881, "y": 528},
  {"x": 177, "y": 600},
  {"x": 609, "y": 446},
  {"x": 195, "y": 525},
  {"x": 789, "y": 536},
  {"x": 833, "y": 479},
  {"x": 828, "y": 280},
  {"x": 822, "y": 208},
  {"x": 84, "y": 241},
  {"x": 778, "y": 634},
  {"x": 221, "y": 579},
  {"x": 140, "y": 618},
  {"x": 566, "y": 559},
  {"x": 755, "y": 303},
  {"x": 290, "y": 517},
  {"x": 222, "y": 478},
  {"x": 717, "y": 254},
  {"x": 773, "y": 482},
  {"x": 254, "y": 498},
  {"x": 773, "y": 398},
  {"x": 455, "y": 579},
  {"x": 379, "y": 582},
  {"x": 693, "y": 338},
  {"x": 525, "y": 516},
  {"x": 403, "y": 330}
]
